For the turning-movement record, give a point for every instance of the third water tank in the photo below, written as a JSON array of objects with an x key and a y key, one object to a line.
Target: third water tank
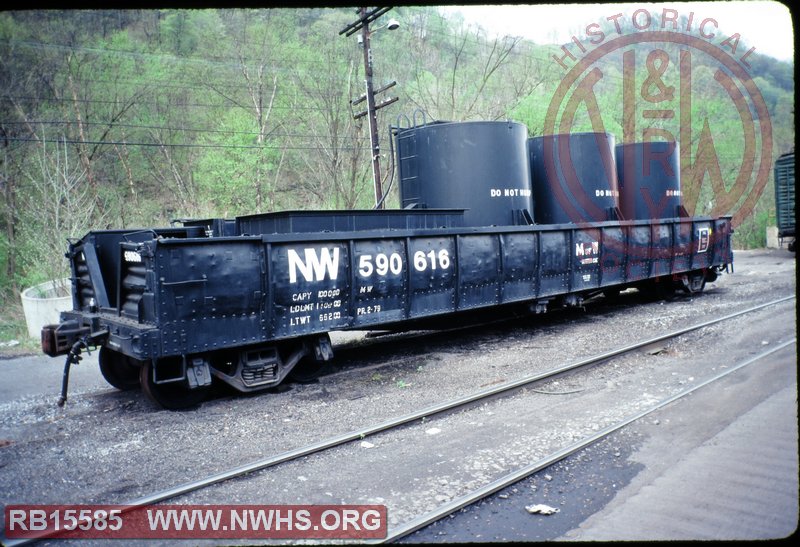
[{"x": 649, "y": 180}]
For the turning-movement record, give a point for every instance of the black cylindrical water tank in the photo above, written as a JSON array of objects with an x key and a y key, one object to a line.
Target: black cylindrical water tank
[
  {"x": 649, "y": 180},
  {"x": 478, "y": 166},
  {"x": 574, "y": 178}
]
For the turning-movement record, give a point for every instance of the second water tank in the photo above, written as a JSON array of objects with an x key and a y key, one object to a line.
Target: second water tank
[{"x": 574, "y": 178}]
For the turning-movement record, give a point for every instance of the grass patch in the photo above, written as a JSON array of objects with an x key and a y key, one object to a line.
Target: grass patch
[{"x": 13, "y": 327}]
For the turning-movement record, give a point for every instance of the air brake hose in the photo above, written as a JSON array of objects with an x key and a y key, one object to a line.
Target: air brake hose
[{"x": 74, "y": 356}]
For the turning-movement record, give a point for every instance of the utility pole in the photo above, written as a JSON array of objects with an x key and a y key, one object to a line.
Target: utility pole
[
  {"x": 365, "y": 18},
  {"x": 372, "y": 115}
]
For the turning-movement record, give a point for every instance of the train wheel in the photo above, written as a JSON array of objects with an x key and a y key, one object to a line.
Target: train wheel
[
  {"x": 658, "y": 289},
  {"x": 694, "y": 282},
  {"x": 118, "y": 369},
  {"x": 173, "y": 396},
  {"x": 306, "y": 371},
  {"x": 612, "y": 293},
  {"x": 665, "y": 290},
  {"x": 701, "y": 284}
]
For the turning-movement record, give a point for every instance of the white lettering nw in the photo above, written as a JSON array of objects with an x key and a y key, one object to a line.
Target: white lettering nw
[{"x": 314, "y": 267}]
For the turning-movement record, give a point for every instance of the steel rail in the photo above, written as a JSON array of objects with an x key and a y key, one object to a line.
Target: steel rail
[
  {"x": 360, "y": 434},
  {"x": 507, "y": 480}
]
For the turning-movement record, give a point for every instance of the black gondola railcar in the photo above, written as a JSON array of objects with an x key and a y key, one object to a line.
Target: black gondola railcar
[{"x": 244, "y": 300}]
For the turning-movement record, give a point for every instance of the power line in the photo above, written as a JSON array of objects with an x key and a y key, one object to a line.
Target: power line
[
  {"x": 183, "y": 145},
  {"x": 172, "y": 83},
  {"x": 147, "y": 86},
  {"x": 230, "y": 104},
  {"x": 270, "y": 134}
]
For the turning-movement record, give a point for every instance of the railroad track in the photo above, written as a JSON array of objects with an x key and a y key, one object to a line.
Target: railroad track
[
  {"x": 482, "y": 395},
  {"x": 448, "y": 508},
  {"x": 360, "y": 355}
]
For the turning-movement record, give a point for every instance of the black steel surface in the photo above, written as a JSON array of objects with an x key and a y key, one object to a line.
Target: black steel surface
[
  {"x": 574, "y": 177},
  {"x": 288, "y": 222},
  {"x": 206, "y": 294},
  {"x": 649, "y": 180},
  {"x": 478, "y": 166}
]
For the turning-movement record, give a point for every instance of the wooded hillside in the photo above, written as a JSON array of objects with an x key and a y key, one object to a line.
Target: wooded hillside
[{"x": 135, "y": 118}]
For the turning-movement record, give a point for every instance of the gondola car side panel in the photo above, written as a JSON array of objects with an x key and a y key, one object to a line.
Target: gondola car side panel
[
  {"x": 554, "y": 262},
  {"x": 613, "y": 256},
  {"x": 520, "y": 264},
  {"x": 311, "y": 288},
  {"x": 432, "y": 274},
  {"x": 479, "y": 262},
  {"x": 585, "y": 259},
  {"x": 380, "y": 284},
  {"x": 210, "y": 294}
]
